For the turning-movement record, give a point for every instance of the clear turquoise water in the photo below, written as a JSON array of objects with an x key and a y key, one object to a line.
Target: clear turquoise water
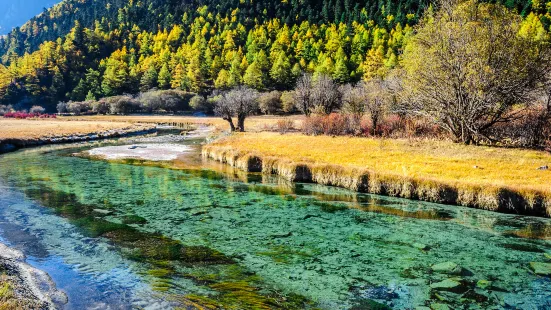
[{"x": 123, "y": 235}]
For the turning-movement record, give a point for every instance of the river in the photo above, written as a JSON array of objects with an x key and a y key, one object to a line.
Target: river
[{"x": 191, "y": 234}]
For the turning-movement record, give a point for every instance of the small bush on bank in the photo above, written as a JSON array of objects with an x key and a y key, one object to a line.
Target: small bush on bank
[
  {"x": 36, "y": 109},
  {"x": 165, "y": 101},
  {"x": 333, "y": 124},
  {"x": 5, "y": 109},
  {"x": 62, "y": 107},
  {"x": 78, "y": 108},
  {"x": 121, "y": 104},
  {"x": 391, "y": 126},
  {"x": 285, "y": 125},
  {"x": 199, "y": 104},
  {"x": 288, "y": 102},
  {"x": 530, "y": 128},
  {"x": 270, "y": 103},
  {"x": 100, "y": 107}
]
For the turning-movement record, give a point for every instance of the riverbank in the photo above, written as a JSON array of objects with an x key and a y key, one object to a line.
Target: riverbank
[
  {"x": 23, "y": 286},
  {"x": 497, "y": 179},
  {"x": 15, "y": 134}
]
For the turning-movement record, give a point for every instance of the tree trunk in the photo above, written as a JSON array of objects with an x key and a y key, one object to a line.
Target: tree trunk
[
  {"x": 230, "y": 120},
  {"x": 241, "y": 123}
]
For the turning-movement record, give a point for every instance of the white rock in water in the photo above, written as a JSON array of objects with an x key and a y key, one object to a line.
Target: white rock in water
[{"x": 153, "y": 152}]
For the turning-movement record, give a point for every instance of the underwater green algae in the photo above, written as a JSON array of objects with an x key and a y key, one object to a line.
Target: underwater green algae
[{"x": 253, "y": 242}]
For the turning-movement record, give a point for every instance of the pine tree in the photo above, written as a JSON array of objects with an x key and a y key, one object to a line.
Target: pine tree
[
  {"x": 149, "y": 79},
  {"x": 79, "y": 93},
  {"x": 341, "y": 73},
  {"x": 222, "y": 81},
  {"x": 178, "y": 77},
  {"x": 93, "y": 83},
  {"x": 253, "y": 76},
  {"x": 164, "y": 77},
  {"x": 281, "y": 71},
  {"x": 91, "y": 96}
]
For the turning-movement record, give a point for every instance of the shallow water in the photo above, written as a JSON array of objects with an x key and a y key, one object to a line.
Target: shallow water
[{"x": 118, "y": 235}]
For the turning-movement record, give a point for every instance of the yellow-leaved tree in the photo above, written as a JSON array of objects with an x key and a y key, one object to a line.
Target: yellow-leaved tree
[{"x": 469, "y": 67}]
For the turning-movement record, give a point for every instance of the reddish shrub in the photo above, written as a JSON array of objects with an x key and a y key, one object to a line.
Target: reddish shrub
[
  {"x": 285, "y": 125},
  {"x": 333, "y": 124},
  {"x": 25, "y": 115}
]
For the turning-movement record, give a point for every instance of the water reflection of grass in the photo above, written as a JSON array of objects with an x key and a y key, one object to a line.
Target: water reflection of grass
[{"x": 533, "y": 231}]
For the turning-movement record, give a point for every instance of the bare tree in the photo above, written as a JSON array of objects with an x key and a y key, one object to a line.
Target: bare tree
[
  {"x": 223, "y": 108},
  {"x": 373, "y": 97},
  {"x": 469, "y": 66},
  {"x": 303, "y": 94},
  {"x": 354, "y": 98},
  {"x": 326, "y": 96},
  {"x": 239, "y": 102},
  {"x": 379, "y": 100}
]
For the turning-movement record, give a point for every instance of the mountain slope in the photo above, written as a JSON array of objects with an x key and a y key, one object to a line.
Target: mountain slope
[{"x": 88, "y": 49}]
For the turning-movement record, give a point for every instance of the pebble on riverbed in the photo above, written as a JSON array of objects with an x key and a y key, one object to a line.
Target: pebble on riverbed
[{"x": 542, "y": 269}]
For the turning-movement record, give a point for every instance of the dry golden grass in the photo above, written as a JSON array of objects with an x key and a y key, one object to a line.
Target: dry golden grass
[
  {"x": 254, "y": 123},
  {"x": 427, "y": 170},
  {"x": 39, "y": 129}
]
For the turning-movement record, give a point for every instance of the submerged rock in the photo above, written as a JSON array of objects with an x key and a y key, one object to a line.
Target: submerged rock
[
  {"x": 421, "y": 246},
  {"x": 447, "y": 268},
  {"x": 542, "y": 269},
  {"x": 483, "y": 284},
  {"x": 438, "y": 306},
  {"x": 446, "y": 285},
  {"x": 103, "y": 211}
]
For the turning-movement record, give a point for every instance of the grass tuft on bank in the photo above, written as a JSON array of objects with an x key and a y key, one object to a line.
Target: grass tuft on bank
[{"x": 498, "y": 179}]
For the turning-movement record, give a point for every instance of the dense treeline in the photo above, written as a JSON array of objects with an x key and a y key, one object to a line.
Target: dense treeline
[
  {"x": 152, "y": 15},
  {"x": 86, "y": 50}
]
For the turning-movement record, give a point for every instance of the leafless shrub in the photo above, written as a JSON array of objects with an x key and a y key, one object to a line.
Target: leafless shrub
[
  {"x": 62, "y": 107},
  {"x": 100, "y": 107},
  {"x": 303, "y": 94},
  {"x": 325, "y": 94},
  {"x": 165, "y": 101},
  {"x": 79, "y": 107},
  {"x": 36, "y": 109},
  {"x": 333, "y": 124},
  {"x": 285, "y": 125},
  {"x": 5, "y": 109}
]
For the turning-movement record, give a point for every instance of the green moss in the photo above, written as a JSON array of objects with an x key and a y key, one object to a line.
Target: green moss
[
  {"x": 160, "y": 273},
  {"x": 133, "y": 219}
]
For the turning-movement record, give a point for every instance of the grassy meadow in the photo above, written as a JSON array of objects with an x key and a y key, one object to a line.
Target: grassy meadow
[
  {"x": 14, "y": 129},
  {"x": 485, "y": 177},
  {"x": 253, "y": 123}
]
